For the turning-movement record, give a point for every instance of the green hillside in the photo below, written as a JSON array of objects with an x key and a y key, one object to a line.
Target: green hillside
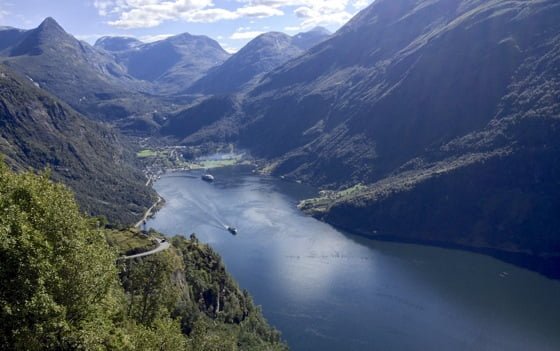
[
  {"x": 62, "y": 288},
  {"x": 38, "y": 131}
]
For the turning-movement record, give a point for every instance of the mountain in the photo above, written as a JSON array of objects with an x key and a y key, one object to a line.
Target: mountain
[
  {"x": 171, "y": 64},
  {"x": 307, "y": 40},
  {"x": 9, "y": 36},
  {"x": 117, "y": 44},
  {"x": 494, "y": 188},
  {"x": 260, "y": 55},
  {"x": 89, "y": 80},
  {"x": 436, "y": 119},
  {"x": 37, "y": 131}
]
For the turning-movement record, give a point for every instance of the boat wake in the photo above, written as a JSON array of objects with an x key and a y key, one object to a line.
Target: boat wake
[{"x": 210, "y": 214}]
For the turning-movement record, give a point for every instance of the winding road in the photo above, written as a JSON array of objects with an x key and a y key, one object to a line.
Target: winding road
[
  {"x": 162, "y": 245},
  {"x": 148, "y": 212}
]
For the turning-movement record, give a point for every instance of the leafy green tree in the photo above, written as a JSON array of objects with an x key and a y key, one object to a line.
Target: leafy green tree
[
  {"x": 151, "y": 293},
  {"x": 163, "y": 335},
  {"x": 59, "y": 286},
  {"x": 207, "y": 336}
]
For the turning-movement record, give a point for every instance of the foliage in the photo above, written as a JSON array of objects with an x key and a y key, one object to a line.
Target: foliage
[
  {"x": 210, "y": 294},
  {"x": 130, "y": 241},
  {"x": 151, "y": 294},
  {"x": 61, "y": 288}
]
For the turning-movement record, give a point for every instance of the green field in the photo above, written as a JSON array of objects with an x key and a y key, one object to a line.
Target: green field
[
  {"x": 219, "y": 163},
  {"x": 147, "y": 153}
]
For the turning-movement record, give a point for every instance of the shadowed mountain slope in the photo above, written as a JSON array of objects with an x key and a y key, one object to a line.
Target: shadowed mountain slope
[
  {"x": 445, "y": 111},
  {"x": 37, "y": 131}
]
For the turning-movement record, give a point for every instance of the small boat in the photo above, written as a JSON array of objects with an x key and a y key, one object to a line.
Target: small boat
[
  {"x": 232, "y": 230},
  {"x": 207, "y": 177}
]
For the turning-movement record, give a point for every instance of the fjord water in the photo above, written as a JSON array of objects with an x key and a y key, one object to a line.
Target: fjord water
[{"x": 327, "y": 290}]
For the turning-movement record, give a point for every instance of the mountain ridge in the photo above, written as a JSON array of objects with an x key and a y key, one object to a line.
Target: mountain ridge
[
  {"x": 260, "y": 56},
  {"x": 116, "y": 44},
  {"x": 170, "y": 64},
  {"x": 89, "y": 80}
]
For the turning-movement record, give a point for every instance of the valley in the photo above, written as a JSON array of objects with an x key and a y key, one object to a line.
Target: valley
[{"x": 406, "y": 164}]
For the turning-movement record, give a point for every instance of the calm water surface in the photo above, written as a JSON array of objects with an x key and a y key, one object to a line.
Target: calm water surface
[{"x": 327, "y": 290}]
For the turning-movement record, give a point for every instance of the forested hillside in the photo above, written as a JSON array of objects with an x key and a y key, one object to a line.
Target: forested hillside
[
  {"x": 64, "y": 289},
  {"x": 39, "y": 131}
]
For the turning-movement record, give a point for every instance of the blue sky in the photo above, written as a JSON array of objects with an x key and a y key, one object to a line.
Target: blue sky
[{"x": 231, "y": 22}]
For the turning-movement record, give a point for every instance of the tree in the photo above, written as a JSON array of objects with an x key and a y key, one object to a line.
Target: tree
[
  {"x": 59, "y": 286},
  {"x": 150, "y": 291}
]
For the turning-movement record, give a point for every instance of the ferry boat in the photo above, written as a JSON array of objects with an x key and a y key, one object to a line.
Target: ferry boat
[{"x": 207, "y": 177}]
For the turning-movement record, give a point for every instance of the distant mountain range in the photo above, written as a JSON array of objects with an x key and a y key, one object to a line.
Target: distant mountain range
[
  {"x": 171, "y": 64},
  {"x": 444, "y": 111},
  {"x": 307, "y": 40},
  {"x": 198, "y": 65},
  {"x": 117, "y": 78},
  {"x": 38, "y": 131},
  {"x": 260, "y": 55},
  {"x": 117, "y": 44},
  {"x": 88, "y": 79}
]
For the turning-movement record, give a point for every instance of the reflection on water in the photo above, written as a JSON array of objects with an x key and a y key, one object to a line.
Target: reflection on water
[{"x": 326, "y": 290}]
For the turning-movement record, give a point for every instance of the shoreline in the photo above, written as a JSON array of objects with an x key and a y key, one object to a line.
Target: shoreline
[
  {"x": 151, "y": 211},
  {"x": 548, "y": 266}
]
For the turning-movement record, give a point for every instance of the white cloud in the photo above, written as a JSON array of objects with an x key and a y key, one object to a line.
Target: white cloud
[
  {"x": 3, "y": 13},
  {"x": 315, "y": 16},
  {"x": 151, "y": 13},
  {"x": 259, "y": 11},
  {"x": 209, "y": 15},
  {"x": 360, "y": 4},
  {"x": 315, "y": 12}
]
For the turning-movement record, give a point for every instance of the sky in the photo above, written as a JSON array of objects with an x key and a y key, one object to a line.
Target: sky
[{"x": 231, "y": 22}]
